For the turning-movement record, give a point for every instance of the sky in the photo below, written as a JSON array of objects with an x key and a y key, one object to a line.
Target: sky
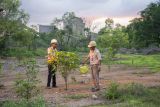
[{"x": 44, "y": 11}]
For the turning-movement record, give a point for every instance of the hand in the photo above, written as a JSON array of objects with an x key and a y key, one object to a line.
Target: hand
[{"x": 82, "y": 63}]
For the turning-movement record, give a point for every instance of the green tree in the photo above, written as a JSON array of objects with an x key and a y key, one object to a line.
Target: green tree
[
  {"x": 12, "y": 21},
  {"x": 114, "y": 38},
  {"x": 109, "y": 57},
  {"x": 67, "y": 62},
  {"x": 144, "y": 31},
  {"x": 26, "y": 88},
  {"x": 70, "y": 37}
]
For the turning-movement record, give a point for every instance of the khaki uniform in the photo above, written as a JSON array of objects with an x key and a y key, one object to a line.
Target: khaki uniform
[{"x": 95, "y": 58}]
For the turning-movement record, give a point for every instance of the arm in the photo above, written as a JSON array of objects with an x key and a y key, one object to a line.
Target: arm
[
  {"x": 99, "y": 57},
  {"x": 85, "y": 60}
]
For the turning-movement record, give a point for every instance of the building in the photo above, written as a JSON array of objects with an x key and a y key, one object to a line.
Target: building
[{"x": 44, "y": 28}]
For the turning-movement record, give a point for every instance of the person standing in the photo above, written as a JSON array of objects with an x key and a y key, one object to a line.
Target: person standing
[
  {"x": 52, "y": 71},
  {"x": 94, "y": 57}
]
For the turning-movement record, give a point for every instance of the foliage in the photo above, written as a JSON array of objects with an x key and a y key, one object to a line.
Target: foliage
[
  {"x": 145, "y": 61},
  {"x": 26, "y": 88},
  {"x": 67, "y": 61},
  {"x": 134, "y": 89},
  {"x": 109, "y": 57},
  {"x": 12, "y": 21},
  {"x": 23, "y": 52},
  {"x": 112, "y": 92},
  {"x": 112, "y": 37},
  {"x": 70, "y": 37},
  {"x": 134, "y": 95},
  {"x": 39, "y": 102},
  {"x": 144, "y": 31},
  {"x": 13, "y": 30}
]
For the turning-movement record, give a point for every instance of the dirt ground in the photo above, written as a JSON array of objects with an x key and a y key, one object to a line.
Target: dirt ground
[{"x": 80, "y": 85}]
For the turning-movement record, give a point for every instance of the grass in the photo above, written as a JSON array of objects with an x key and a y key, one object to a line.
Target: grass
[
  {"x": 146, "y": 61},
  {"x": 22, "y": 52},
  {"x": 134, "y": 95},
  {"x": 39, "y": 102},
  {"x": 76, "y": 96}
]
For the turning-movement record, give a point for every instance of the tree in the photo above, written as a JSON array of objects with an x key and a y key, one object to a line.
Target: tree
[
  {"x": 12, "y": 21},
  {"x": 109, "y": 57},
  {"x": 67, "y": 62},
  {"x": 26, "y": 88},
  {"x": 68, "y": 35},
  {"x": 114, "y": 38},
  {"x": 108, "y": 26},
  {"x": 144, "y": 31}
]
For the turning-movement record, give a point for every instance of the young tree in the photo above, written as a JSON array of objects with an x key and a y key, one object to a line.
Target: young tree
[
  {"x": 109, "y": 57},
  {"x": 27, "y": 87},
  {"x": 67, "y": 62}
]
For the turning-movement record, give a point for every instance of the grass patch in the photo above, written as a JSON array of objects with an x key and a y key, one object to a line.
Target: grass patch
[
  {"x": 40, "y": 102},
  {"x": 147, "y": 61},
  {"x": 76, "y": 96},
  {"x": 23, "y": 52},
  {"x": 132, "y": 95}
]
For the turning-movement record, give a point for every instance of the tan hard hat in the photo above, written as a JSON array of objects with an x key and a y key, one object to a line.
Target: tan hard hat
[
  {"x": 92, "y": 44},
  {"x": 53, "y": 41}
]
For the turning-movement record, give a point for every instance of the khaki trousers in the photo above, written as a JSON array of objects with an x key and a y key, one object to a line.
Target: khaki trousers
[{"x": 95, "y": 75}]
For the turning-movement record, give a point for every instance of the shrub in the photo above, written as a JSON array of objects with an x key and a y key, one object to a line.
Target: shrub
[
  {"x": 135, "y": 89},
  {"x": 112, "y": 92},
  {"x": 40, "y": 52},
  {"x": 26, "y": 88},
  {"x": 67, "y": 61}
]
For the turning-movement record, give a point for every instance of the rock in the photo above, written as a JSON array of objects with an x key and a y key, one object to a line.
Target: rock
[
  {"x": 94, "y": 97},
  {"x": 127, "y": 51},
  {"x": 150, "y": 50}
]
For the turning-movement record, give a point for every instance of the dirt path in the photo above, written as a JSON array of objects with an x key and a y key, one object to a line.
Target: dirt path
[{"x": 82, "y": 85}]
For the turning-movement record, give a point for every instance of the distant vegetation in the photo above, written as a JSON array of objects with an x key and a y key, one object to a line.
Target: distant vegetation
[{"x": 14, "y": 34}]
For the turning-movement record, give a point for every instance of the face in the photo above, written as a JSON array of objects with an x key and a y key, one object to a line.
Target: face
[
  {"x": 54, "y": 45},
  {"x": 92, "y": 48}
]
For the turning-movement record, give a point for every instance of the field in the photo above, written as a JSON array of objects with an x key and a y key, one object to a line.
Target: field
[{"x": 137, "y": 76}]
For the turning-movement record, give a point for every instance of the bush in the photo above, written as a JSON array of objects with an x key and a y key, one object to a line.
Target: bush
[
  {"x": 40, "y": 52},
  {"x": 26, "y": 88},
  {"x": 132, "y": 89},
  {"x": 17, "y": 52},
  {"x": 112, "y": 92},
  {"x": 135, "y": 89}
]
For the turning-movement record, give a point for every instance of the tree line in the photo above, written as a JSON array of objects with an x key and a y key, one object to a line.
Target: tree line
[{"x": 15, "y": 35}]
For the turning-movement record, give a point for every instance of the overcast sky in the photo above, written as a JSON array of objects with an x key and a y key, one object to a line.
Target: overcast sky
[{"x": 44, "y": 11}]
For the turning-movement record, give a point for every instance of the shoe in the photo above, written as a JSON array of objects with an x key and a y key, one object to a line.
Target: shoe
[
  {"x": 48, "y": 87},
  {"x": 54, "y": 87},
  {"x": 95, "y": 89}
]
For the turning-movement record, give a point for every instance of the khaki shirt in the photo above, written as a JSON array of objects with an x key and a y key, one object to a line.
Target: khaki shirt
[{"x": 94, "y": 57}]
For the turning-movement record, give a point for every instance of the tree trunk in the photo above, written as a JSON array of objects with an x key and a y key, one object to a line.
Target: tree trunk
[{"x": 66, "y": 84}]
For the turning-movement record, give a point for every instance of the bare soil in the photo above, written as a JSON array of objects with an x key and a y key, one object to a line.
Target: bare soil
[{"x": 79, "y": 86}]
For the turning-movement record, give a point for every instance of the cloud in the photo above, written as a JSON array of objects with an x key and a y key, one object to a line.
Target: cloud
[{"x": 44, "y": 11}]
